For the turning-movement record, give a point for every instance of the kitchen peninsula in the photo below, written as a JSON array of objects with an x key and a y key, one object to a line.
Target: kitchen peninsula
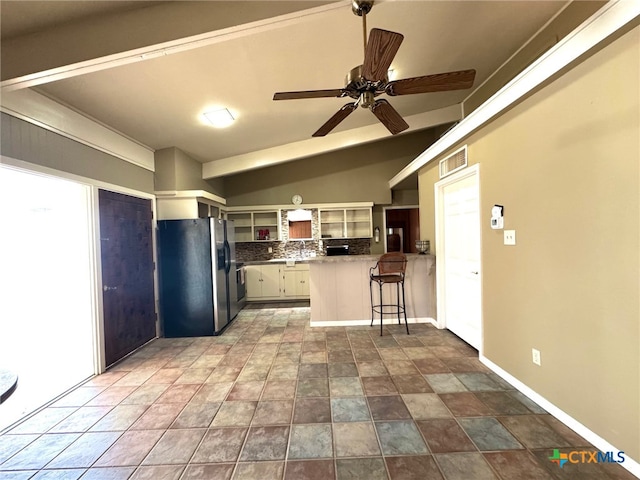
[
  {"x": 338, "y": 287},
  {"x": 339, "y": 290}
]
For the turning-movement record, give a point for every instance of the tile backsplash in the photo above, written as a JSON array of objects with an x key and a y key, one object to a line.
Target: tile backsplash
[
  {"x": 287, "y": 248},
  {"x": 259, "y": 251}
]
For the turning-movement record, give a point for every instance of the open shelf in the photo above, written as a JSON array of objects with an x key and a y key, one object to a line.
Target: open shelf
[{"x": 248, "y": 225}]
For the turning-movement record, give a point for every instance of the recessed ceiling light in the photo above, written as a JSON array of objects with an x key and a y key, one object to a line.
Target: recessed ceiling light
[{"x": 219, "y": 118}]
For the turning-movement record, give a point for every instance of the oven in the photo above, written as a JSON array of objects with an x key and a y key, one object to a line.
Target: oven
[{"x": 333, "y": 250}]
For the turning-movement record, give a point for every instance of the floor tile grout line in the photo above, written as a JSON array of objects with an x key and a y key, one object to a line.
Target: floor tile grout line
[
  {"x": 495, "y": 414},
  {"x": 375, "y": 430}
]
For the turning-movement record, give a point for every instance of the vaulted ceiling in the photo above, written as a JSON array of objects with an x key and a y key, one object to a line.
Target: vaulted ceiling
[{"x": 150, "y": 69}]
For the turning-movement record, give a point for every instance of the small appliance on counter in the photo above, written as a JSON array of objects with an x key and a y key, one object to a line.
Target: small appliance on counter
[
  {"x": 334, "y": 250},
  {"x": 422, "y": 246}
]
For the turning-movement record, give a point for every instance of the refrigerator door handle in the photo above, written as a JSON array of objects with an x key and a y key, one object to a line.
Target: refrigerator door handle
[{"x": 227, "y": 257}]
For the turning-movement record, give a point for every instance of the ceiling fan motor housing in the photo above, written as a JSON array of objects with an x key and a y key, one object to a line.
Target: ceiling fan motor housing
[
  {"x": 357, "y": 84},
  {"x": 360, "y": 7},
  {"x": 369, "y": 80}
]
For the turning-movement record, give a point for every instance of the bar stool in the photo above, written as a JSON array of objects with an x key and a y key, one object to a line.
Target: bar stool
[{"x": 389, "y": 269}]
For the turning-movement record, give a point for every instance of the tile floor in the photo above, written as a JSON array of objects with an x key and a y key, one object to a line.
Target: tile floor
[{"x": 272, "y": 398}]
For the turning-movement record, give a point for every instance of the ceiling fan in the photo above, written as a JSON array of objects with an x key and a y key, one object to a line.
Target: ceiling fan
[{"x": 365, "y": 82}]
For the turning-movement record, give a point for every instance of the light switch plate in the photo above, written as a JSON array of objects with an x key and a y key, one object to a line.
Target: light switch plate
[
  {"x": 535, "y": 356},
  {"x": 509, "y": 237}
]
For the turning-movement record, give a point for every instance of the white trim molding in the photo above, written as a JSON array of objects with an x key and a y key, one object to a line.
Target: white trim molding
[
  {"x": 163, "y": 194},
  {"x": 438, "y": 188},
  {"x": 162, "y": 49},
  {"x": 592, "y": 437},
  {"x": 318, "y": 145},
  {"x": 605, "y": 22},
  {"x": 40, "y": 110},
  {"x": 95, "y": 254},
  {"x": 327, "y": 206}
]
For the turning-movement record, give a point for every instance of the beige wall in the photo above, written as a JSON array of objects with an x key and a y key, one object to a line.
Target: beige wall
[
  {"x": 24, "y": 141},
  {"x": 572, "y": 16},
  {"x": 565, "y": 164},
  {"x": 176, "y": 170},
  {"x": 358, "y": 174}
]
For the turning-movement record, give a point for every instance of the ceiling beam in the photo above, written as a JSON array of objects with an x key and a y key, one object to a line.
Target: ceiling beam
[
  {"x": 32, "y": 107},
  {"x": 142, "y": 34},
  {"x": 315, "y": 146}
]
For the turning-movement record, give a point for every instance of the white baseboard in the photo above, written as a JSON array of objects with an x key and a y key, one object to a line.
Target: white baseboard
[
  {"x": 596, "y": 440},
  {"x": 367, "y": 322}
]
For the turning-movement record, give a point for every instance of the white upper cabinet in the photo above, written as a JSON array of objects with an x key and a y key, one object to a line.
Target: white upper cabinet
[
  {"x": 346, "y": 223},
  {"x": 256, "y": 226}
]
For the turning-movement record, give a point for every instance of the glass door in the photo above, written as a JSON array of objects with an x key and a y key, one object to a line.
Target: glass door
[{"x": 46, "y": 283}]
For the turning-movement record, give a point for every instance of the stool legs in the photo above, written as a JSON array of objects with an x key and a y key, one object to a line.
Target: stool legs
[
  {"x": 381, "y": 308},
  {"x": 401, "y": 308},
  {"x": 372, "y": 306},
  {"x": 398, "y": 300},
  {"x": 404, "y": 310}
]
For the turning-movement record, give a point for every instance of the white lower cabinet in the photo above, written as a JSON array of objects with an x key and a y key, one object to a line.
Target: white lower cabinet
[
  {"x": 274, "y": 282},
  {"x": 296, "y": 281},
  {"x": 263, "y": 282}
]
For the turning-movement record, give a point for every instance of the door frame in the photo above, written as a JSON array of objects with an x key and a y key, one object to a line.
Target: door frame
[
  {"x": 383, "y": 233},
  {"x": 97, "y": 319},
  {"x": 101, "y": 362},
  {"x": 471, "y": 171}
]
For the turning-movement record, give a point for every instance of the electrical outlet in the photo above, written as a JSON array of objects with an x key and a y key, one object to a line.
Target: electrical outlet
[
  {"x": 270, "y": 250},
  {"x": 509, "y": 237},
  {"x": 535, "y": 356}
]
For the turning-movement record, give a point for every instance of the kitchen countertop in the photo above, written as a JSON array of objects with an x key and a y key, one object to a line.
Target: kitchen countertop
[
  {"x": 340, "y": 290},
  {"x": 335, "y": 259}
]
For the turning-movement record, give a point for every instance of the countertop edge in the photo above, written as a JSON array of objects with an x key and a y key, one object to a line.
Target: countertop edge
[{"x": 335, "y": 259}]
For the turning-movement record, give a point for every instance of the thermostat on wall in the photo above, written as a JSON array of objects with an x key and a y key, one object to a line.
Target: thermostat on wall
[{"x": 497, "y": 217}]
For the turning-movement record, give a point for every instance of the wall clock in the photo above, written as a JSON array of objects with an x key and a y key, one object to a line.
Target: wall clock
[{"x": 296, "y": 199}]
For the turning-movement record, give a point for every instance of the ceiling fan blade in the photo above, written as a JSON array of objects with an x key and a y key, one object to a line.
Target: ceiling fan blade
[
  {"x": 389, "y": 116},
  {"x": 440, "y": 82},
  {"x": 382, "y": 46},
  {"x": 333, "y": 122},
  {"x": 336, "y": 92}
]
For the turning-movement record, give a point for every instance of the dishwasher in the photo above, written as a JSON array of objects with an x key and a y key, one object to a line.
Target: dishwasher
[{"x": 242, "y": 290}]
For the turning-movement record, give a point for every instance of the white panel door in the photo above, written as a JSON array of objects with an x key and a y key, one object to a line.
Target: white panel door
[{"x": 460, "y": 248}]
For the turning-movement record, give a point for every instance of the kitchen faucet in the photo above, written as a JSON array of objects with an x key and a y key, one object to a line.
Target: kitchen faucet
[{"x": 302, "y": 245}]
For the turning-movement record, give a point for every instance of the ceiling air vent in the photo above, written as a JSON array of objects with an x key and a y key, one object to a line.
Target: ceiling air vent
[{"x": 454, "y": 162}]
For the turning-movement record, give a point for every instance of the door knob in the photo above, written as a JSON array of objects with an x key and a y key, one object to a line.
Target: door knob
[{"x": 475, "y": 273}]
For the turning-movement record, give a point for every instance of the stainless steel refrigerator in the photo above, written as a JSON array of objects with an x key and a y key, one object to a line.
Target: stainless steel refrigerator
[{"x": 197, "y": 272}]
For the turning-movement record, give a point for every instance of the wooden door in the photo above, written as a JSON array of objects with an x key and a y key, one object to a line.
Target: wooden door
[
  {"x": 460, "y": 257},
  {"x": 408, "y": 219},
  {"x": 127, "y": 273}
]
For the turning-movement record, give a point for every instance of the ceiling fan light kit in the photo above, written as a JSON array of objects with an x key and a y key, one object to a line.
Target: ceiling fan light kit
[
  {"x": 369, "y": 80},
  {"x": 221, "y": 118}
]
